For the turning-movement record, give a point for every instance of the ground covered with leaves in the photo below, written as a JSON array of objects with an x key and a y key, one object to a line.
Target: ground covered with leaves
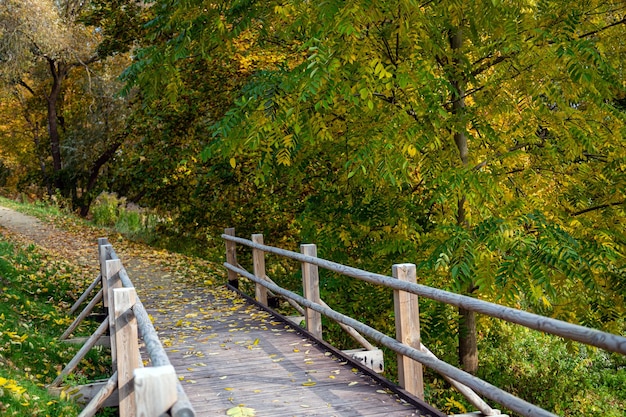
[
  {"x": 36, "y": 292},
  {"x": 45, "y": 265}
]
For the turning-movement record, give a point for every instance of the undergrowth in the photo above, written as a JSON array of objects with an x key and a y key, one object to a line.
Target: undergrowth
[
  {"x": 568, "y": 379},
  {"x": 36, "y": 292}
]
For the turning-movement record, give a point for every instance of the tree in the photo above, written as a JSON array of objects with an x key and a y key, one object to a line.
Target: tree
[
  {"x": 45, "y": 46},
  {"x": 497, "y": 119},
  {"x": 486, "y": 101}
]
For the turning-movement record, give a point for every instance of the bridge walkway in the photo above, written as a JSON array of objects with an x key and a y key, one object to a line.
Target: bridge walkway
[{"x": 229, "y": 352}]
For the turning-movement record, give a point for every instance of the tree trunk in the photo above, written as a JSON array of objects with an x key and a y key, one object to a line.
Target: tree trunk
[
  {"x": 468, "y": 351},
  {"x": 58, "y": 72},
  {"x": 468, "y": 348}
]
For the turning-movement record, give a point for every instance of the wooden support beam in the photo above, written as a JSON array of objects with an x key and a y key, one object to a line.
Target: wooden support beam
[
  {"x": 99, "y": 400},
  {"x": 85, "y": 294},
  {"x": 112, "y": 270},
  {"x": 104, "y": 341},
  {"x": 258, "y": 260},
  {"x": 127, "y": 346},
  {"x": 406, "y": 309},
  {"x": 231, "y": 257},
  {"x": 311, "y": 285},
  {"x": 155, "y": 390},
  {"x": 103, "y": 244},
  {"x": 81, "y": 354},
  {"x": 467, "y": 392},
  {"x": 84, "y": 394},
  {"x": 87, "y": 310}
]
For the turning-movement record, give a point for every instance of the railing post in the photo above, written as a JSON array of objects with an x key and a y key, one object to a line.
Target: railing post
[
  {"x": 155, "y": 390},
  {"x": 112, "y": 269},
  {"x": 103, "y": 243},
  {"x": 258, "y": 260},
  {"x": 311, "y": 285},
  {"x": 406, "y": 309},
  {"x": 127, "y": 348},
  {"x": 231, "y": 257}
]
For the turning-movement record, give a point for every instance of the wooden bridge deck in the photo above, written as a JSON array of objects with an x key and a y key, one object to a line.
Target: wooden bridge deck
[{"x": 229, "y": 352}]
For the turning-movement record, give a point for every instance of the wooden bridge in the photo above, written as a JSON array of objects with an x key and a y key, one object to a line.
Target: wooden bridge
[{"x": 214, "y": 351}]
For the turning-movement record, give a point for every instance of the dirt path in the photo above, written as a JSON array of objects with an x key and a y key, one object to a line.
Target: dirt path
[{"x": 49, "y": 236}]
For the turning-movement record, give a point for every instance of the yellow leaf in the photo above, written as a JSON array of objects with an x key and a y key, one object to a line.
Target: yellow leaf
[
  {"x": 309, "y": 383},
  {"x": 241, "y": 411},
  {"x": 233, "y": 162}
]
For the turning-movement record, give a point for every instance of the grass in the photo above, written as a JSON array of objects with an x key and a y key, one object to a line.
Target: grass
[
  {"x": 36, "y": 292},
  {"x": 567, "y": 379}
]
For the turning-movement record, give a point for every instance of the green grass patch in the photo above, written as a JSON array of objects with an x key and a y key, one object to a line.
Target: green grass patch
[{"x": 36, "y": 292}]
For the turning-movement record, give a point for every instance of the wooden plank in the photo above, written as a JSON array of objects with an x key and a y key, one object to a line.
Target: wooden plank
[
  {"x": 106, "y": 396},
  {"x": 311, "y": 285},
  {"x": 127, "y": 347},
  {"x": 407, "y": 315},
  {"x": 258, "y": 261},
  {"x": 104, "y": 341},
  {"x": 112, "y": 269},
  {"x": 103, "y": 244},
  {"x": 85, "y": 294},
  {"x": 231, "y": 359},
  {"x": 83, "y": 314},
  {"x": 231, "y": 257},
  {"x": 80, "y": 354},
  {"x": 155, "y": 390},
  {"x": 84, "y": 394}
]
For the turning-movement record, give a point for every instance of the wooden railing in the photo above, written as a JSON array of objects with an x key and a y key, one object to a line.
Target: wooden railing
[
  {"x": 411, "y": 353},
  {"x": 137, "y": 391}
]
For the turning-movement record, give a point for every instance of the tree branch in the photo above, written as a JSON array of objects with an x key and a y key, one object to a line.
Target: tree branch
[
  {"x": 600, "y": 207},
  {"x": 26, "y": 86},
  {"x": 500, "y": 154},
  {"x": 593, "y": 32}
]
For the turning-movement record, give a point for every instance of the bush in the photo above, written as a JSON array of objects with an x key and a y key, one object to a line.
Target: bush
[
  {"x": 105, "y": 210},
  {"x": 568, "y": 379}
]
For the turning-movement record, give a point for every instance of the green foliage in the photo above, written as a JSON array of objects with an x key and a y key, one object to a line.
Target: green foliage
[
  {"x": 105, "y": 210},
  {"x": 582, "y": 380},
  {"x": 36, "y": 293}
]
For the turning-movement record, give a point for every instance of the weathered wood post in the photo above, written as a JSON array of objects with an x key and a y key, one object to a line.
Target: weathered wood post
[
  {"x": 103, "y": 243},
  {"x": 155, "y": 390},
  {"x": 406, "y": 309},
  {"x": 231, "y": 257},
  {"x": 258, "y": 260},
  {"x": 127, "y": 348},
  {"x": 311, "y": 285},
  {"x": 112, "y": 269}
]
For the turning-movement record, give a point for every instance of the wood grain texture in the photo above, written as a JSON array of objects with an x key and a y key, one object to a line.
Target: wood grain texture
[
  {"x": 127, "y": 346},
  {"x": 311, "y": 286},
  {"x": 258, "y": 261},
  {"x": 155, "y": 390},
  {"x": 407, "y": 315},
  {"x": 245, "y": 355}
]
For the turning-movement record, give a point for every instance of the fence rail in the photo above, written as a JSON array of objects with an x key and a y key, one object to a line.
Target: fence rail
[
  {"x": 407, "y": 343},
  {"x": 137, "y": 391}
]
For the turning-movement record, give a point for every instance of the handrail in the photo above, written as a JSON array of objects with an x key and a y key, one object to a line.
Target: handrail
[
  {"x": 593, "y": 337},
  {"x": 607, "y": 341},
  {"x": 488, "y": 390},
  {"x": 182, "y": 407},
  {"x": 140, "y": 391}
]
